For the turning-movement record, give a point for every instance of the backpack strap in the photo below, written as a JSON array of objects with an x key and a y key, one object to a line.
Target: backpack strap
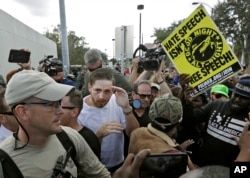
[
  {"x": 68, "y": 144},
  {"x": 8, "y": 166}
]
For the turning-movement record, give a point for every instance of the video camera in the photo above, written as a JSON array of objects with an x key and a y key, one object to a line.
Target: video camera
[
  {"x": 52, "y": 65},
  {"x": 152, "y": 58}
]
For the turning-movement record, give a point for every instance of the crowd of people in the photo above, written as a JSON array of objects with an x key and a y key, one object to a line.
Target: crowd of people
[{"x": 115, "y": 123}]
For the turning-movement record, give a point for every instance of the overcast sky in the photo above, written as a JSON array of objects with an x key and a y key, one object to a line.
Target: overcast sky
[{"x": 96, "y": 20}]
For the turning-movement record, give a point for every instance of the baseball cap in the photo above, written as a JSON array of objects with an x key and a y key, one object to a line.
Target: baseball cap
[
  {"x": 243, "y": 87},
  {"x": 166, "y": 110},
  {"x": 156, "y": 86},
  {"x": 220, "y": 89},
  {"x": 31, "y": 83}
]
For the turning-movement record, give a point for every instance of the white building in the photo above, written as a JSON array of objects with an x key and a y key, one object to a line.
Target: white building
[{"x": 16, "y": 35}]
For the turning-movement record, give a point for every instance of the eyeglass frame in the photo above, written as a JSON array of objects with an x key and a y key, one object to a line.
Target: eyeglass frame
[
  {"x": 68, "y": 107},
  {"x": 9, "y": 113},
  {"x": 143, "y": 96},
  {"x": 44, "y": 103}
]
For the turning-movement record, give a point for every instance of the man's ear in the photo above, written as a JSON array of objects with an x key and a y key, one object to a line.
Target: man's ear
[
  {"x": 21, "y": 112},
  {"x": 75, "y": 112}
]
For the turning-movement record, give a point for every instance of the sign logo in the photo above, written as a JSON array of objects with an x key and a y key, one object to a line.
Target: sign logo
[{"x": 202, "y": 45}]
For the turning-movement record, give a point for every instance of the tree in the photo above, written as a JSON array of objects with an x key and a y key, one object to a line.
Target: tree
[
  {"x": 232, "y": 18},
  {"x": 77, "y": 45},
  {"x": 162, "y": 33}
]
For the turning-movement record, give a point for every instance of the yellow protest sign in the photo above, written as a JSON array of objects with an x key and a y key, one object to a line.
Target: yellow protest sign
[{"x": 198, "y": 48}]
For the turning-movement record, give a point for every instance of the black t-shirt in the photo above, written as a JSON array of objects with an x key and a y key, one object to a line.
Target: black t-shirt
[
  {"x": 143, "y": 122},
  {"x": 221, "y": 124},
  {"x": 92, "y": 140},
  {"x": 144, "y": 119}
]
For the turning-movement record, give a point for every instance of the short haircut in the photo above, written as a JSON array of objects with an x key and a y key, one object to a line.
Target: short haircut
[
  {"x": 101, "y": 74},
  {"x": 75, "y": 98},
  {"x": 92, "y": 56},
  {"x": 138, "y": 83}
]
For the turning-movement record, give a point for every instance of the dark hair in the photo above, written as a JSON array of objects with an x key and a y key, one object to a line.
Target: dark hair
[
  {"x": 101, "y": 74},
  {"x": 75, "y": 97}
]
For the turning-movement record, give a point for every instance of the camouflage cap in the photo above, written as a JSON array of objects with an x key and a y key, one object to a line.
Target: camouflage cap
[{"x": 168, "y": 107}]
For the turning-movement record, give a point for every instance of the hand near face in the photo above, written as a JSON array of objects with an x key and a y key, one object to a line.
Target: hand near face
[{"x": 121, "y": 97}]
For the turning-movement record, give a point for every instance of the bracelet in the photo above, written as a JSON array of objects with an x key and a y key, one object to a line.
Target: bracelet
[
  {"x": 128, "y": 112},
  {"x": 161, "y": 82}
]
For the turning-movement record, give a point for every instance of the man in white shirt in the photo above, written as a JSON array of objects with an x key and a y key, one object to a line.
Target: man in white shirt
[{"x": 107, "y": 112}]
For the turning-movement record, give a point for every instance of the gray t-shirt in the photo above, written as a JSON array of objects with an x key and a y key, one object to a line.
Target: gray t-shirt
[{"x": 39, "y": 161}]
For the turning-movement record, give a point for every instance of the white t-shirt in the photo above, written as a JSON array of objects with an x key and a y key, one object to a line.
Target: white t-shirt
[
  {"x": 112, "y": 146},
  {"x": 4, "y": 133}
]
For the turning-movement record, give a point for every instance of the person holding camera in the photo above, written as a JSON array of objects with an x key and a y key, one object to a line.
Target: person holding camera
[{"x": 54, "y": 68}]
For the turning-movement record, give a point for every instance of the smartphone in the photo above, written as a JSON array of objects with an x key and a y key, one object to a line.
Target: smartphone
[
  {"x": 19, "y": 56},
  {"x": 167, "y": 165}
]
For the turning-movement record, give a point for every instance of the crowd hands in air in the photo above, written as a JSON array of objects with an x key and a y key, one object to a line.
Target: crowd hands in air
[{"x": 115, "y": 123}]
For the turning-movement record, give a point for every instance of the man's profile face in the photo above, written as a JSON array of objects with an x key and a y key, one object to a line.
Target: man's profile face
[{"x": 101, "y": 92}]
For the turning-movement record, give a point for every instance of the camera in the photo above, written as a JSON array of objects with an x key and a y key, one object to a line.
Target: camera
[
  {"x": 19, "y": 56},
  {"x": 51, "y": 65},
  {"x": 152, "y": 58}
]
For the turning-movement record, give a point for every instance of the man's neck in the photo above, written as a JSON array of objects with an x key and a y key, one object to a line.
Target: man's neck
[
  {"x": 75, "y": 125},
  {"x": 140, "y": 111},
  {"x": 34, "y": 138}
]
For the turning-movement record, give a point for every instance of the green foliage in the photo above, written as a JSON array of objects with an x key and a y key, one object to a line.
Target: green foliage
[
  {"x": 232, "y": 18},
  {"x": 77, "y": 45},
  {"x": 162, "y": 33}
]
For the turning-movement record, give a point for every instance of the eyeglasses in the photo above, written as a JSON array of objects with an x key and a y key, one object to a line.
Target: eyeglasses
[
  {"x": 48, "y": 105},
  {"x": 8, "y": 113},
  {"x": 68, "y": 107},
  {"x": 143, "y": 96}
]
